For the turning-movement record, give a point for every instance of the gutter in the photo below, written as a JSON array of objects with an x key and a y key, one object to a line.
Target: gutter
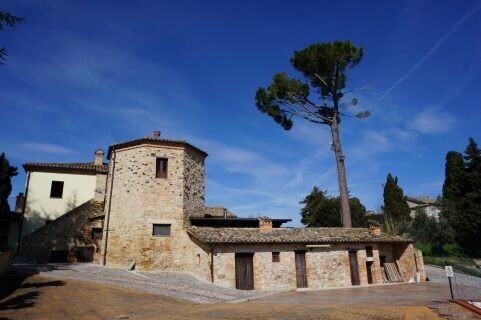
[{"x": 107, "y": 222}]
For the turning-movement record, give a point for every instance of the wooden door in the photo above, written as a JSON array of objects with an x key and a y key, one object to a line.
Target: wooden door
[
  {"x": 301, "y": 274},
  {"x": 244, "y": 271},
  {"x": 85, "y": 254},
  {"x": 354, "y": 268}
]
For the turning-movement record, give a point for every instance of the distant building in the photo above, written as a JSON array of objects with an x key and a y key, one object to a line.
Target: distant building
[
  {"x": 147, "y": 208},
  {"x": 425, "y": 203}
]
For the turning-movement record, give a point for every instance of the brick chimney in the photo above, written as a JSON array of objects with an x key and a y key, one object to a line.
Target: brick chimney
[
  {"x": 374, "y": 227},
  {"x": 99, "y": 157},
  {"x": 19, "y": 203},
  {"x": 157, "y": 135},
  {"x": 265, "y": 224}
]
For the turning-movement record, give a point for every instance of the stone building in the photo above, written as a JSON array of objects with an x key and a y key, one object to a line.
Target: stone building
[
  {"x": 425, "y": 204},
  {"x": 151, "y": 215}
]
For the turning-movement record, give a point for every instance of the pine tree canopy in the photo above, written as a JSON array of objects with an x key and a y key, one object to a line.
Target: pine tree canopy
[{"x": 7, "y": 20}]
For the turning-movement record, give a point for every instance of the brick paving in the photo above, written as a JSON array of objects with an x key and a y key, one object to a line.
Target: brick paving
[
  {"x": 171, "y": 284},
  {"x": 40, "y": 297},
  {"x": 88, "y": 291}
]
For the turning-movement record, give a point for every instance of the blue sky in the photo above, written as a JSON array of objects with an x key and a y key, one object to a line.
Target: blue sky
[{"x": 81, "y": 75}]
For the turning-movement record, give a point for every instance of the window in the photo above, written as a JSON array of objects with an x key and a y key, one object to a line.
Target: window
[
  {"x": 161, "y": 230},
  {"x": 56, "y": 190},
  {"x": 161, "y": 168},
  {"x": 276, "y": 257},
  {"x": 97, "y": 233}
]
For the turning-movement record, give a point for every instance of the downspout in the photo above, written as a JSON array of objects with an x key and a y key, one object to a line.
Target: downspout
[
  {"x": 19, "y": 241},
  {"x": 107, "y": 222},
  {"x": 212, "y": 264}
]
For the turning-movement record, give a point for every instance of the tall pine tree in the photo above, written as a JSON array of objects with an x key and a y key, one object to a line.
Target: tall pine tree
[
  {"x": 395, "y": 208},
  {"x": 6, "y": 173}
]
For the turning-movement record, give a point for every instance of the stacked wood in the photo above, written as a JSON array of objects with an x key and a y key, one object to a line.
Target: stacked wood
[{"x": 392, "y": 272}]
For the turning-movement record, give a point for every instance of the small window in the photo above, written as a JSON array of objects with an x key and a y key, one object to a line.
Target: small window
[
  {"x": 161, "y": 168},
  {"x": 161, "y": 230},
  {"x": 97, "y": 233},
  {"x": 276, "y": 257},
  {"x": 56, "y": 190}
]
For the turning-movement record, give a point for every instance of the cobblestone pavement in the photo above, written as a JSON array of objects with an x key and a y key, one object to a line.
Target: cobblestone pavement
[
  {"x": 172, "y": 284},
  {"x": 411, "y": 294},
  {"x": 40, "y": 297}
]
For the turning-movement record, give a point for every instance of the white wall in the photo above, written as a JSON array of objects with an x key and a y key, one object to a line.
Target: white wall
[{"x": 77, "y": 189}]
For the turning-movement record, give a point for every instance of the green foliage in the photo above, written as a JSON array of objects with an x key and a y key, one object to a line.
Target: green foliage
[
  {"x": 325, "y": 64},
  {"x": 7, "y": 20},
  {"x": 324, "y": 68},
  {"x": 320, "y": 210},
  {"x": 461, "y": 201},
  {"x": 428, "y": 230},
  {"x": 395, "y": 209},
  {"x": 6, "y": 173}
]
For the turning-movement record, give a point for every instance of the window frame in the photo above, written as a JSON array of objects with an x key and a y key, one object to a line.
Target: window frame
[
  {"x": 96, "y": 231},
  {"x": 161, "y": 163},
  {"x": 52, "y": 193},
  {"x": 161, "y": 225},
  {"x": 276, "y": 256}
]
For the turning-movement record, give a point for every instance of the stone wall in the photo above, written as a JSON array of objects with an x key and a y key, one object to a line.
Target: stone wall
[
  {"x": 66, "y": 233},
  {"x": 410, "y": 262},
  {"x": 194, "y": 184},
  {"x": 140, "y": 200},
  {"x": 326, "y": 267}
]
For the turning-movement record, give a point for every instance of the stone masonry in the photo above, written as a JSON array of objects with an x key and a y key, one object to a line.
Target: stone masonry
[{"x": 139, "y": 200}]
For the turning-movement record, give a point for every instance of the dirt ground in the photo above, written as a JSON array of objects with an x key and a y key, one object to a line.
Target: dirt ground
[{"x": 40, "y": 297}]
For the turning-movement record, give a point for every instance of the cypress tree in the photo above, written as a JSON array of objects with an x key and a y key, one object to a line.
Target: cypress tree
[
  {"x": 470, "y": 214},
  {"x": 6, "y": 173},
  {"x": 395, "y": 210},
  {"x": 461, "y": 203}
]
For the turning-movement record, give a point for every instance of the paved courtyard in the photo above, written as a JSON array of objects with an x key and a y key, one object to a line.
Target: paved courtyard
[
  {"x": 86, "y": 291},
  {"x": 171, "y": 284}
]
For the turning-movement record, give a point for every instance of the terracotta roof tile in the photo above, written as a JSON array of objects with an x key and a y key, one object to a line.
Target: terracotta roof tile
[
  {"x": 74, "y": 166},
  {"x": 145, "y": 140},
  {"x": 218, "y": 211},
  {"x": 291, "y": 235}
]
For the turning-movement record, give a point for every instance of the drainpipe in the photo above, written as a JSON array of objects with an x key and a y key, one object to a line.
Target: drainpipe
[
  {"x": 107, "y": 222},
  {"x": 212, "y": 264},
  {"x": 19, "y": 241}
]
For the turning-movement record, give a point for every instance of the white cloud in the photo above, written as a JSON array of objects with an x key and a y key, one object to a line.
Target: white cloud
[
  {"x": 244, "y": 161},
  {"x": 432, "y": 121},
  {"x": 47, "y": 148}
]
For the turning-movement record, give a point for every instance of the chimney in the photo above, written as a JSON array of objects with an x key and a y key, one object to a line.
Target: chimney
[
  {"x": 265, "y": 224},
  {"x": 20, "y": 202},
  {"x": 99, "y": 157},
  {"x": 157, "y": 135},
  {"x": 374, "y": 227}
]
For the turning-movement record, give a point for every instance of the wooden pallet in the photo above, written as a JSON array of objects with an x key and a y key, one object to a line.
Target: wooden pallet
[{"x": 392, "y": 272}]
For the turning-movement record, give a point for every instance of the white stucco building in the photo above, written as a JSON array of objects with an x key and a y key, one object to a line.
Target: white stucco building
[
  {"x": 53, "y": 189},
  {"x": 425, "y": 203}
]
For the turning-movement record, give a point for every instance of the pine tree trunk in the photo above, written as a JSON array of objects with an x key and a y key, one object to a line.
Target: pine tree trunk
[{"x": 341, "y": 173}]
